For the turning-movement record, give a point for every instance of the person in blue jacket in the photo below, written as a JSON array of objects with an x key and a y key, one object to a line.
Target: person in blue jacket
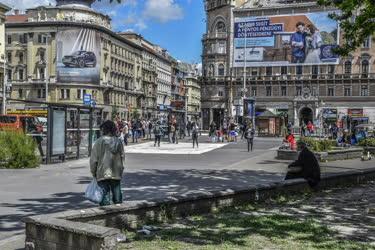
[{"x": 298, "y": 43}]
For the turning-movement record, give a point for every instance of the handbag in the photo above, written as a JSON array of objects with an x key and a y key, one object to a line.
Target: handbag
[{"x": 94, "y": 192}]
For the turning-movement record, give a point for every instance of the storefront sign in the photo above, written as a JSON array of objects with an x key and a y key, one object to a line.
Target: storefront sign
[
  {"x": 329, "y": 113},
  {"x": 355, "y": 112}
]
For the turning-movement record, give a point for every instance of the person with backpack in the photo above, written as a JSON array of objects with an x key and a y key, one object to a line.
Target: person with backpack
[
  {"x": 158, "y": 132},
  {"x": 249, "y": 136},
  {"x": 107, "y": 163},
  {"x": 188, "y": 127},
  {"x": 149, "y": 136},
  {"x": 194, "y": 133}
]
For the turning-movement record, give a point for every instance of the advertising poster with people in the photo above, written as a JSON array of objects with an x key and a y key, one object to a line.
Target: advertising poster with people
[
  {"x": 285, "y": 40},
  {"x": 78, "y": 56}
]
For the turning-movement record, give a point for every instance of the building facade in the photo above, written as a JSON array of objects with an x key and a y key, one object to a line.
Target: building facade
[
  {"x": 193, "y": 94},
  {"x": 3, "y": 10},
  {"x": 62, "y": 53},
  {"x": 310, "y": 92}
]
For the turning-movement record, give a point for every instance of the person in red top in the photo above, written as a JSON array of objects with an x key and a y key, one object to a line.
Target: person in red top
[
  {"x": 310, "y": 127},
  {"x": 292, "y": 141}
]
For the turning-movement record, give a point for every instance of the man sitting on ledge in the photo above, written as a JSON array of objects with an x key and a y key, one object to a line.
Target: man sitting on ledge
[{"x": 306, "y": 167}]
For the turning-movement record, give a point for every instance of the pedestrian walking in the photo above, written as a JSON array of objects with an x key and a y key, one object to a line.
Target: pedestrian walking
[
  {"x": 126, "y": 133},
  {"x": 249, "y": 136},
  {"x": 188, "y": 127},
  {"x": 306, "y": 167},
  {"x": 107, "y": 163},
  {"x": 243, "y": 130},
  {"x": 158, "y": 132},
  {"x": 149, "y": 130},
  {"x": 194, "y": 133}
]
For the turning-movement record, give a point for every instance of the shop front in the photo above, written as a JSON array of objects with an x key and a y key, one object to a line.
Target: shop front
[
  {"x": 268, "y": 124},
  {"x": 329, "y": 117},
  {"x": 356, "y": 117}
]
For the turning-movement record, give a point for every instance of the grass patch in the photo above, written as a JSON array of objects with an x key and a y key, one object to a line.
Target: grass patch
[{"x": 242, "y": 228}]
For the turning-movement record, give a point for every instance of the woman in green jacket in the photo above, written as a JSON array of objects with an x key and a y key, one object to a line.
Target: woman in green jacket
[{"x": 107, "y": 163}]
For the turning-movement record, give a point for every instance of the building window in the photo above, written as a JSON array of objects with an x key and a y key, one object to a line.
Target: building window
[
  {"x": 220, "y": 93},
  {"x": 9, "y": 57},
  {"x": 364, "y": 90},
  {"x": 254, "y": 71},
  {"x": 254, "y": 91},
  {"x": 9, "y": 74},
  {"x": 221, "y": 70},
  {"x": 298, "y": 90},
  {"x": 365, "y": 67},
  {"x": 20, "y": 93},
  {"x": 284, "y": 70},
  {"x": 269, "y": 71},
  {"x": 23, "y": 38},
  {"x": 299, "y": 69},
  {"x": 41, "y": 56},
  {"x": 314, "y": 71},
  {"x": 41, "y": 93},
  {"x": 21, "y": 57},
  {"x": 283, "y": 90},
  {"x": 331, "y": 69},
  {"x": 348, "y": 67},
  {"x": 42, "y": 39},
  {"x": 9, "y": 39},
  {"x": 347, "y": 91},
  {"x": 65, "y": 94},
  {"x": 41, "y": 73},
  {"x": 331, "y": 91},
  {"x": 20, "y": 74},
  {"x": 221, "y": 48},
  {"x": 366, "y": 43},
  {"x": 220, "y": 27},
  {"x": 268, "y": 91},
  {"x": 211, "y": 70}
]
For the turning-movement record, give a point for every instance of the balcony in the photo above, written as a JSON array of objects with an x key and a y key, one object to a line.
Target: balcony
[{"x": 220, "y": 35}]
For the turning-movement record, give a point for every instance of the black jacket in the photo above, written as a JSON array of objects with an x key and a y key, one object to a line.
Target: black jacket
[{"x": 309, "y": 163}]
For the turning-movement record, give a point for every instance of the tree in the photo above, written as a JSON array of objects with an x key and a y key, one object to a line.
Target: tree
[{"x": 356, "y": 19}]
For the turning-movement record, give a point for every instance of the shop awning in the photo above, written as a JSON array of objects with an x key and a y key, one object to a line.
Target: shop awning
[{"x": 267, "y": 114}]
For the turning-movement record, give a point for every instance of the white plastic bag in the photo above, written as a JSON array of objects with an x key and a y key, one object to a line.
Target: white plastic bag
[{"x": 93, "y": 192}]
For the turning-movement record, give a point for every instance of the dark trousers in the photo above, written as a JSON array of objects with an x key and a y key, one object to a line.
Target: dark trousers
[
  {"x": 126, "y": 139},
  {"x": 157, "y": 140},
  {"x": 111, "y": 187},
  {"x": 135, "y": 135},
  {"x": 188, "y": 132},
  {"x": 195, "y": 140},
  {"x": 250, "y": 143},
  {"x": 313, "y": 183}
]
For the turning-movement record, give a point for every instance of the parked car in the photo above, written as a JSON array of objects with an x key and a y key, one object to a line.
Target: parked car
[
  {"x": 80, "y": 59},
  {"x": 18, "y": 123}
]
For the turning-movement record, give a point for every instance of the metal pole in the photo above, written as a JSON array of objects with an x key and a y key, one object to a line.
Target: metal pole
[
  {"x": 4, "y": 110},
  {"x": 47, "y": 69}
]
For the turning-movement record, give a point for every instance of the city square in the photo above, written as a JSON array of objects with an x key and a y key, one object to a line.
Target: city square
[{"x": 179, "y": 124}]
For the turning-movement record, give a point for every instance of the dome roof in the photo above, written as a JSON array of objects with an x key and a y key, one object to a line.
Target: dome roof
[{"x": 85, "y": 3}]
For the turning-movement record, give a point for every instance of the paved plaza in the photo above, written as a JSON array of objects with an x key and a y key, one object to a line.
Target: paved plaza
[{"x": 159, "y": 174}]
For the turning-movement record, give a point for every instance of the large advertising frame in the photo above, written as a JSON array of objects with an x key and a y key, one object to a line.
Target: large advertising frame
[
  {"x": 78, "y": 56},
  {"x": 283, "y": 40}
]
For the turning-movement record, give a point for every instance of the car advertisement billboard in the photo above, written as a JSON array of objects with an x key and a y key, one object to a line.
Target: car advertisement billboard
[
  {"x": 284, "y": 40},
  {"x": 78, "y": 56}
]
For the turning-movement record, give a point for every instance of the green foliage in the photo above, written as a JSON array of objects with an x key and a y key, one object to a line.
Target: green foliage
[
  {"x": 357, "y": 21},
  {"x": 319, "y": 145},
  {"x": 370, "y": 142},
  {"x": 17, "y": 151}
]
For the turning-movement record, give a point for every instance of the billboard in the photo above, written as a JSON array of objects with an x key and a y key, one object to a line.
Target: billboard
[
  {"x": 78, "y": 56},
  {"x": 284, "y": 40}
]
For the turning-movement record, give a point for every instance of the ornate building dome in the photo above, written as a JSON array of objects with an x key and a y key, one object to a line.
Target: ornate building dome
[{"x": 80, "y": 3}]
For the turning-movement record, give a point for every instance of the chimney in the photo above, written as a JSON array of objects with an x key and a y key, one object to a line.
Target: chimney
[{"x": 16, "y": 12}]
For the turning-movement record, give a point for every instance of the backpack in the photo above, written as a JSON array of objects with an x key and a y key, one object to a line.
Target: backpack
[{"x": 157, "y": 130}]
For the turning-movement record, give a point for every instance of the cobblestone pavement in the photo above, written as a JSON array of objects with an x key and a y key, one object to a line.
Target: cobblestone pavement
[{"x": 348, "y": 211}]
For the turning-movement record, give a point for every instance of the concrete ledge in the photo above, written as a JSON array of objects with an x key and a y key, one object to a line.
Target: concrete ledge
[
  {"x": 334, "y": 155},
  {"x": 100, "y": 228}
]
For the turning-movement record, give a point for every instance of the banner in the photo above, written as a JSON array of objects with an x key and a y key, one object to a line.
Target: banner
[
  {"x": 329, "y": 113},
  {"x": 78, "y": 56},
  {"x": 284, "y": 40},
  {"x": 249, "y": 108}
]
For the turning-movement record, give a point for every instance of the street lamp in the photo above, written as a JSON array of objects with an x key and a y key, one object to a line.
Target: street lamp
[
  {"x": 4, "y": 110},
  {"x": 47, "y": 68}
]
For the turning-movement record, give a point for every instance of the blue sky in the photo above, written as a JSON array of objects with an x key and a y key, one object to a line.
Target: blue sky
[{"x": 176, "y": 25}]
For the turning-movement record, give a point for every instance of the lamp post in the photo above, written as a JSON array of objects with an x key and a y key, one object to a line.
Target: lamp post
[
  {"x": 47, "y": 68},
  {"x": 4, "y": 109}
]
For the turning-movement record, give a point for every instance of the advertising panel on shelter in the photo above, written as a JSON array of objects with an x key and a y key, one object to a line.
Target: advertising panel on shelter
[
  {"x": 78, "y": 56},
  {"x": 285, "y": 40}
]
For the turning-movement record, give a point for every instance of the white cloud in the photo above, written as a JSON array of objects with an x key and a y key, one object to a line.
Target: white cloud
[
  {"x": 162, "y": 10},
  {"x": 25, "y": 4}
]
